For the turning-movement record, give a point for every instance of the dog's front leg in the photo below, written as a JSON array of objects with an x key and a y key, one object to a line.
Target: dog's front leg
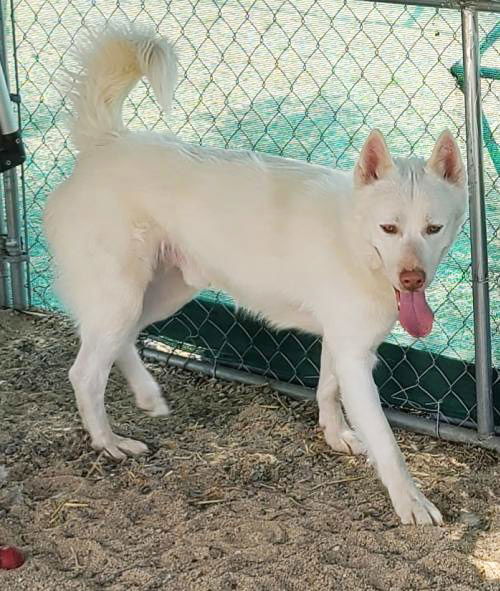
[
  {"x": 338, "y": 434},
  {"x": 362, "y": 404}
]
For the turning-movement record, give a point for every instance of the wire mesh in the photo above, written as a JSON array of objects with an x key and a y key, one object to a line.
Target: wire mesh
[{"x": 305, "y": 79}]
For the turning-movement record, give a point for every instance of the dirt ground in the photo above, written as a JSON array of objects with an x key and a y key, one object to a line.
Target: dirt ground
[{"x": 240, "y": 491}]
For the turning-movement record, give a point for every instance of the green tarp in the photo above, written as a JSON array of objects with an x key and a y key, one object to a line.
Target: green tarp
[{"x": 407, "y": 378}]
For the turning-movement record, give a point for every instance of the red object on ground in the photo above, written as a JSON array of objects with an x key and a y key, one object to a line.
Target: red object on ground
[{"x": 10, "y": 557}]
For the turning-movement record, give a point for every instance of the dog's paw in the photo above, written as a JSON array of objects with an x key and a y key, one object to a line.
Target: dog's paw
[
  {"x": 149, "y": 399},
  {"x": 413, "y": 508},
  {"x": 118, "y": 447},
  {"x": 344, "y": 441},
  {"x": 159, "y": 408},
  {"x": 155, "y": 408}
]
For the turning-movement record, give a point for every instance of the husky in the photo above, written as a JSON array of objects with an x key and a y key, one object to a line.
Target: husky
[{"x": 145, "y": 221}]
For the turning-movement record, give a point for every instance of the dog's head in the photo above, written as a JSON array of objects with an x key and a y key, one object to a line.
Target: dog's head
[{"x": 411, "y": 211}]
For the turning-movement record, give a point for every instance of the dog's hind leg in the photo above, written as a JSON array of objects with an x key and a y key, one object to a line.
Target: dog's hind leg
[
  {"x": 164, "y": 296},
  {"x": 108, "y": 316},
  {"x": 146, "y": 390},
  {"x": 338, "y": 434}
]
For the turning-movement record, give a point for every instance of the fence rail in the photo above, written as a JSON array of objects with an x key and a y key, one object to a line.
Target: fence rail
[
  {"x": 304, "y": 79},
  {"x": 476, "y": 5}
]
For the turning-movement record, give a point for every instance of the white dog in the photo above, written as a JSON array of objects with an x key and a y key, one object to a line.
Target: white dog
[{"x": 145, "y": 221}]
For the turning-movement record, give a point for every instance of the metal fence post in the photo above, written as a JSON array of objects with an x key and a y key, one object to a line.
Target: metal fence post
[
  {"x": 4, "y": 272},
  {"x": 13, "y": 239},
  {"x": 480, "y": 285}
]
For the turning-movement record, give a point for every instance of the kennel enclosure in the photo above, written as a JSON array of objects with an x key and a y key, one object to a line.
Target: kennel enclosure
[{"x": 305, "y": 79}]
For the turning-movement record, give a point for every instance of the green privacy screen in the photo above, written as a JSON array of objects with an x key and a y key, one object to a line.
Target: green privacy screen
[{"x": 210, "y": 328}]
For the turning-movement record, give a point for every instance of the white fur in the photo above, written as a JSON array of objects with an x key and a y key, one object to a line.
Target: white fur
[{"x": 145, "y": 221}]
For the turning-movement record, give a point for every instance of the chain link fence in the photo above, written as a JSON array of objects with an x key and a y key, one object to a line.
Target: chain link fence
[{"x": 305, "y": 79}]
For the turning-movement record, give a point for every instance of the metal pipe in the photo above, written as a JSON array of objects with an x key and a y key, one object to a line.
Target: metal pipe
[
  {"x": 3, "y": 45},
  {"x": 395, "y": 417},
  {"x": 227, "y": 373},
  {"x": 480, "y": 5},
  {"x": 479, "y": 247},
  {"x": 27, "y": 287},
  {"x": 4, "y": 272},
  {"x": 13, "y": 243},
  {"x": 4, "y": 268},
  {"x": 4, "y": 286},
  {"x": 7, "y": 118},
  {"x": 418, "y": 424}
]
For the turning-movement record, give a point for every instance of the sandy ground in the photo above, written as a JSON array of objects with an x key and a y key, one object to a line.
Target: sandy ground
[{"x": 239, "y": 492}]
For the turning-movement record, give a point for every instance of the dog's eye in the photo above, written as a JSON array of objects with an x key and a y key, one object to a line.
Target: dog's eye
[
  {"x": 433, "y": 229},
  {"x": 389, "y": 228}
]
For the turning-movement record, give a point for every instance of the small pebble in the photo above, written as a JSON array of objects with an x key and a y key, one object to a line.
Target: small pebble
[
  {"x": 3, "y": 474},
  {"x": 470, "y": 519}
]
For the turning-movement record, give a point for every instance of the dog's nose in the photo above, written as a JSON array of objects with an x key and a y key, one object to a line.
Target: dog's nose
[{"x": 412, "y": 280}]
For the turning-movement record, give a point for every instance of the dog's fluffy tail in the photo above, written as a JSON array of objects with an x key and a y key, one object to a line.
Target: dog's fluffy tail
[{"x": 110, "y": 64}]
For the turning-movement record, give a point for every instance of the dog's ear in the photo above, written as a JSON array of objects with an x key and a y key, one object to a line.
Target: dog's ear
[
  {"x": 446, "y": 161},
  {"x": 374, "y": 161}
]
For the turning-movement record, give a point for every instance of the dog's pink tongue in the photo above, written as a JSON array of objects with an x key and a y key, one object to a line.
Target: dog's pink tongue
[{"x": 415, "y": 315}]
